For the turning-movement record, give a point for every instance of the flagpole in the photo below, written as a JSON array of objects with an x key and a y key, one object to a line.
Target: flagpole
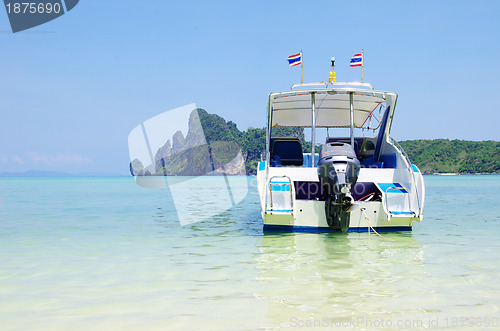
[
  {"x": 301, "y": 67},
  {"x": 362, "y": 63}
]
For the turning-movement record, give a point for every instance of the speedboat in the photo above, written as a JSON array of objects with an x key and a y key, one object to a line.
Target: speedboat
[{"x": 351, "y": 177}]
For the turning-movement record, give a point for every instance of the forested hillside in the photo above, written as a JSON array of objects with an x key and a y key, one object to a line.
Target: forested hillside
[{"x": 455, "y": 156}]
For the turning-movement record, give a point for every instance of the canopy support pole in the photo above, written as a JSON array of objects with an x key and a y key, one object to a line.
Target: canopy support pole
[
  {"x": 313, "y": 129},
  {"x": 268, "y": 144},
  {"x": 352, "y": 117}
]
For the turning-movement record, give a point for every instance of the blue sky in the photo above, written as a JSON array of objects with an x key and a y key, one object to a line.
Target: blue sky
[{"x": 72, "y": 89}]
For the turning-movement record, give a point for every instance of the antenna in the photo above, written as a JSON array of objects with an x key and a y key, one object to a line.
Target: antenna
[{"x": 331, "y": 75}]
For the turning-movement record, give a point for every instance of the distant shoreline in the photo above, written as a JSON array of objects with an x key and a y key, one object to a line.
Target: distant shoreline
[{"x": 36, "y": 173}]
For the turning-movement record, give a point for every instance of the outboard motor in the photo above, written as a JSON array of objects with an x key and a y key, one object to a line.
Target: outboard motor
[{"x": 338, "y": 170}]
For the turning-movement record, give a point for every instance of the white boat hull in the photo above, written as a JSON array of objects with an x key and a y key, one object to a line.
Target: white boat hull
[{"x": 309, "y": 214}]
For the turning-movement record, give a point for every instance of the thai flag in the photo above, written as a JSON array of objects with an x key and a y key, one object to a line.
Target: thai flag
[
  {"x": 295, "y": 59},
  {"x": 357, "y": 60}
]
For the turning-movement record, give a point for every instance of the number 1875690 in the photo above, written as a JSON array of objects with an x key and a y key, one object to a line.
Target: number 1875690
[{"x": 33, "y": 8}]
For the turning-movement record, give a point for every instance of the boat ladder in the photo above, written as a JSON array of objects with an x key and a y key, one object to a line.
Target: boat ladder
[
  {"x": 397, "y": 200},
  {"x": 281, "y": 195}
]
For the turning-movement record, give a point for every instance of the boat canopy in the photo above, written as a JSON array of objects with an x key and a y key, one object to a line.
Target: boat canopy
[{"x": 331, "y": 107}]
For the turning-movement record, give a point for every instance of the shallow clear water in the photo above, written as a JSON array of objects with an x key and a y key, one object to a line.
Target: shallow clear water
[{"x": 103, "y": 253}]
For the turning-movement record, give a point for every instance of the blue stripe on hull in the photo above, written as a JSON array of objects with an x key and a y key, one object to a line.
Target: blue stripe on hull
[
  {"x": 401, "y": 212},
  {"x": 312, "y": 229}
]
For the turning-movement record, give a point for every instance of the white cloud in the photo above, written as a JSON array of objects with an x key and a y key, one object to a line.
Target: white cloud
[{"x": 10, "y": 158}]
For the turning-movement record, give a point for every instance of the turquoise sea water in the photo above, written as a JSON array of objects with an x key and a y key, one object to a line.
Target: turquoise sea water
[{"x": 105, "y": 254}]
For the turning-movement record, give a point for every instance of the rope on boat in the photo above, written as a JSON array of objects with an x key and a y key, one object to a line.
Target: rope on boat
[{"x": 371, "y": 227}]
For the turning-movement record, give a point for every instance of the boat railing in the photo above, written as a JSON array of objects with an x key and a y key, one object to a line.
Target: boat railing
[
  {"x": 410, "y": 169},
  {"x": 333, "y": 84}
]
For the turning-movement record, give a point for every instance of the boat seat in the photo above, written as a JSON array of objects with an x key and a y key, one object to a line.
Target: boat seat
[
  {"x": 371, "y": 163},
  {"x": 286, "y": 152},
  {"x": 389, "y": 160},
  {"x": 386, "y": 161}
]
